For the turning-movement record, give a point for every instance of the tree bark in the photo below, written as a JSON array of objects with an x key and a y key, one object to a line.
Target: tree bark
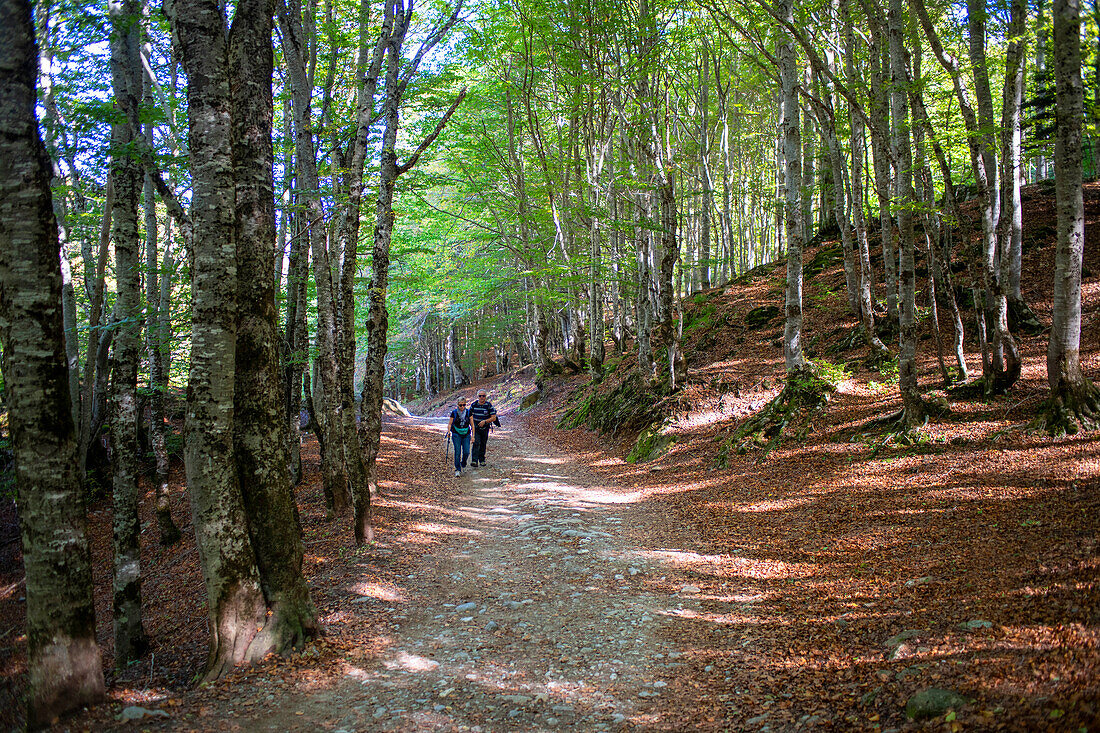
[
  {"x": 259, "y": 428},
  {"x": 64, "y": 664},
  {"x": 332, "y": 456},
  {"x": 377, "y": 316},
  {"x": 792, "y": 180},
  {"x": 1074, "y": 399},
  {"x": 913, "y": 412},
  {"x": 235, "y": 599},
  {"x": 131, "y": 640}
]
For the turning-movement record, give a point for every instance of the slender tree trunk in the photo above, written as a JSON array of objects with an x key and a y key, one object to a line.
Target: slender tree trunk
[
  {"x": 808, "y": 171},
  {"x": 64, "y": 663},
  {"x": 158, "y": 285},
  {"x": 95, "y": 277},
  {"x": 995, "y": 303},
  {"x": 880, "y": 148},
  {"x": 855, "y": 194},
  {"x": 359, "y": 471},
  {"x": 131, "y": 641},
  {"x": 377, "y": 316},
  {"x": 912, "y": 404},
  {"x": 792, "y": 179},
  {"x": 1011, "y": 235},
  {"x": 297, "y": 340},
  {"x": 332, "y": 455}
]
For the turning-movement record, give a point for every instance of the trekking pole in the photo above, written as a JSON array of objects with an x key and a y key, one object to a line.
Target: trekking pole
[{"x": 447, "y": 449}]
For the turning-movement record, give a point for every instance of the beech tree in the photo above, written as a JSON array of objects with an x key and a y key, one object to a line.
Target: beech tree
[
  {"x": 130, "y": 637},
  {"x": 1074, "y": 400},
  {"x": 249, "y": 544},
  {"x": 64, "y": 660}
]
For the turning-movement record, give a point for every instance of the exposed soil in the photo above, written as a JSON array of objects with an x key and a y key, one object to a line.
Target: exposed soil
[{"x": 817, "y": 587}]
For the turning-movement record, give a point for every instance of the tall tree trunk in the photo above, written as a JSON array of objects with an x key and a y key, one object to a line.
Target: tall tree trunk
[
  {"x": 131, "y": 641},
  {"x": 158, "y": 287},
  {"x": 996, "y": 305},
  {"x": 855, "y": 195},
  {"x": 912, "y": 405},
  {"x": 454, "y": 357},
  {"x": 297, "y": 343},
  {"x": 64, "y": 664},
  {"x": 1011, "y": 236},
  {"x": 98, "y": 336},
  {"x": 377, "y": 316},
  {"x": 707, "y": 205},
  {"x": 332, "y": 455},
  {"x": 1073, "y": 398},
  {"x": 808, "y": 169},
  {"x": 362, "y": 480},
  {"x": 259, "y": 427},
  {"x": 880, "y": 149},
  {"x": 792, "y": 180},
  {"x": 235, "y": 599}
]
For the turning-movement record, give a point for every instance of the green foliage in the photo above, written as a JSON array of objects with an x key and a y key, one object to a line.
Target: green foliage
[
  {"x": 891, "y": 375},
  {"x": 651, "y": 444},
  {"x": 832, "y": 373}
]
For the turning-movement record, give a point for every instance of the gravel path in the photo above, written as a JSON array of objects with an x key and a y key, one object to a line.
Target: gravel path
[{"x": 532, "y": 615}]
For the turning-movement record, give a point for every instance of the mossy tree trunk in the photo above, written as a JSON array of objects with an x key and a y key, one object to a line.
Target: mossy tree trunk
[
  {"x": 259, "y": 430},
  {"x": 64, "y": 663}
]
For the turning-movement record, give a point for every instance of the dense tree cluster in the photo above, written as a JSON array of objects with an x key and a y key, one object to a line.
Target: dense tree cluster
[{"x": 182, "y": 202}]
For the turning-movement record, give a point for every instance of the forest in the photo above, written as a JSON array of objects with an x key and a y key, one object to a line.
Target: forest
[{"x": 241, "y": 241}]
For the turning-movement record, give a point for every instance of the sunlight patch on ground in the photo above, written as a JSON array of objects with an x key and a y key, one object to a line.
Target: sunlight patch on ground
[
  {"x": 721, "y": 619},
  {"x": 777, "y": 505},
  {"x": 581, "y": 495},
  {"x": 732, "y": 565},
  {"x": 411, "y": 663},
  {"x": 547, "y": 460},
  {"x": 373, "y": 590},
  {"x": 435, "y": 528}
]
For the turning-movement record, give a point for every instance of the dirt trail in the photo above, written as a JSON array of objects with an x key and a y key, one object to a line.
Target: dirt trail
[{"x": 532, "y": 614}]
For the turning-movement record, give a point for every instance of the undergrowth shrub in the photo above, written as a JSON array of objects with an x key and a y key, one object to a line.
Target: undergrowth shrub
[{"x": 628, "y": 405}]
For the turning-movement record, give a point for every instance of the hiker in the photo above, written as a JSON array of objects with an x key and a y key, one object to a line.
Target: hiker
[
  {"x": 484, "y": 416},
  {"x": 458, "y": 430}
]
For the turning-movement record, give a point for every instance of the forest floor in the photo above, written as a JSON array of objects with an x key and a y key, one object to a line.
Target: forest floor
[{"x": 819, "y": 586}]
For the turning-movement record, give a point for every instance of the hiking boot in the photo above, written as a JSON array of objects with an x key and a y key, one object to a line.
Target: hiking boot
[{"x": 458, "y": 473}]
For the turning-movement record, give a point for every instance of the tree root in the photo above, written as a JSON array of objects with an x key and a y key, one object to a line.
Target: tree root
[
  {"x": 789, "y": 415},
  {"x": 897, "y": 425},
  {"x": 1071, "y": 411}
]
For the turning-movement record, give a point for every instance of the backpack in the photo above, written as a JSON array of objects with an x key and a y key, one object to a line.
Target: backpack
[{"x": 459, "y": 419}]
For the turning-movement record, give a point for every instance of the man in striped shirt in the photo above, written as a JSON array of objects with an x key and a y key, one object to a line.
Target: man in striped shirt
[{"x": 482, "y": 415}]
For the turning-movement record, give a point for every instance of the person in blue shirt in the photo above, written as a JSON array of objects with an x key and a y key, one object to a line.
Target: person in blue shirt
[
  {"x": 458, "y": 429},
  {"x": 483, "y": 415}
]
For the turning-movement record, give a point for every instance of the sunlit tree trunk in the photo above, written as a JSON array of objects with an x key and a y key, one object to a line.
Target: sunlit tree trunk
[
  {"x": 64, "y": 664},
  {"x": 1011, "y": 237},
  {"x": 1074, "y": 399},
  {"x": 912, "y": 404},
  {"x": 792, "y": 179},
  {"x": 235, "y": 600}
]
